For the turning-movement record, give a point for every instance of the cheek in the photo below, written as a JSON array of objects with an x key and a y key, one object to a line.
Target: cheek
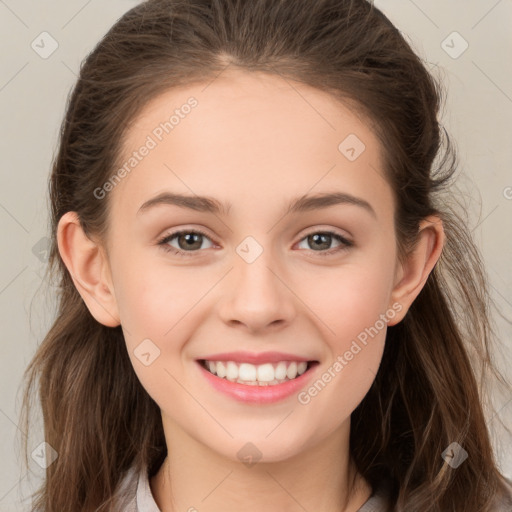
[
  {"x": 150, "y": 294},
  {"x": 352, "y": 313},
  {"x": 351, "y": 298},
  {"x": 160, "y": 304},
  {"x": 153, "y": 304},
  {"x": 353, "y": 309}
]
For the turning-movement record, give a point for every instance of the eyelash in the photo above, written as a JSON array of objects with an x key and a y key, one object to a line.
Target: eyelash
[{"x": 163, "y": 242}]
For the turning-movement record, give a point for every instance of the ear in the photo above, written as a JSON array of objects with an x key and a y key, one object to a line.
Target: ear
[
  {"x": 89, "y": 269},
  {"x": 412, "y": 275}
]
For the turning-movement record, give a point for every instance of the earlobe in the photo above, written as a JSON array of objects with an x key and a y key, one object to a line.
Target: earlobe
[
  {"x": 414, "y": 272},
  {"x": 89, "y": 269}
]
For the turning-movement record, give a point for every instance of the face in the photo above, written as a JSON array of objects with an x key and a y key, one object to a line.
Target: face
[{"x": 250, "y": 270}]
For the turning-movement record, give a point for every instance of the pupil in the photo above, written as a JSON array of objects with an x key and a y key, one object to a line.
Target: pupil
[
  {"x": 189, "y": 237},
  {"x": 192, "y": 238},
  {"x": 324, "y": 236}
]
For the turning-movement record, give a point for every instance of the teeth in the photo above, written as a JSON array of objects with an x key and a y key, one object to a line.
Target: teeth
[
  {"x": 292, "y": 370},
  {"x": 280, "y": 371},
  {"x": 219, "y": 369},
  {"x": 248, "y": 372},
  {"x": 267, "y": 374}
]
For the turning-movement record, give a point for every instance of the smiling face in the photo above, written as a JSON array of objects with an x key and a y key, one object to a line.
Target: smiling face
[{"x": 269, "y": 273}]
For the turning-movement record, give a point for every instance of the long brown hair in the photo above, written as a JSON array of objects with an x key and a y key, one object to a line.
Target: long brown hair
[{"x": 430, "y": 390}]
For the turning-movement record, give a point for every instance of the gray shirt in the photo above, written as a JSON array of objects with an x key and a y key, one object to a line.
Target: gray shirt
[{"x": 141, "y": 498}]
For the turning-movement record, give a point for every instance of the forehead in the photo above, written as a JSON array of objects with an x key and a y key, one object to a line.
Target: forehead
[
  {"x": 267, "y": 104},
  {"x": 249, "y": 137}
]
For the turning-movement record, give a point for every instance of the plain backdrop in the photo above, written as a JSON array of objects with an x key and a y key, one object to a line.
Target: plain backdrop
[{"x": 468, "y": 43}]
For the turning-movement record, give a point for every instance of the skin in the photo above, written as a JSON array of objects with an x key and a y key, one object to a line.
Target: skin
[{"x": 257, "y": 142}]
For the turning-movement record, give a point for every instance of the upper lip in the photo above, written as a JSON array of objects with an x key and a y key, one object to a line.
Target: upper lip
[{"x": 255, "y": 358}]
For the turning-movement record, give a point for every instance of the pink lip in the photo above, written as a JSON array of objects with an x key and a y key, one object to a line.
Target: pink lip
[
  {"x": 249, "y": 357},
  {"x": 258, "y": 394}
]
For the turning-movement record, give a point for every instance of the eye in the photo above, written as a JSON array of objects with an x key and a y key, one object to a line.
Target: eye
[
  {"x": 323, "y": 239},
  {"x": 190, "y": 239}
]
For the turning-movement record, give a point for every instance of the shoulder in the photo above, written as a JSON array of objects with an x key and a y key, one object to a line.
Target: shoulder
[
  {"x": 379, "y": 500},
  {"x": 503, "y": 503},
  {"x": 135, "y": 495},
  {"x": 134, "y": 492},
  {"x": 126, "y": 492},
  {"x": 145, "y": 500}
]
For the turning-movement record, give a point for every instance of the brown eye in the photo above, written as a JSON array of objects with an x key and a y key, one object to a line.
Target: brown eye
[
  {"x": 189, "y": 241},
  {"x": 320, "y": 241}
]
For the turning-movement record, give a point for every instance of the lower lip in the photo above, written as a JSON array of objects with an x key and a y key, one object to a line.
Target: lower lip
[{"x": 258, "y": 394}]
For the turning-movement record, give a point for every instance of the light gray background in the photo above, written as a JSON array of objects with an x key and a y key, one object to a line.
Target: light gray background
[{"x": 33, "y": 93}]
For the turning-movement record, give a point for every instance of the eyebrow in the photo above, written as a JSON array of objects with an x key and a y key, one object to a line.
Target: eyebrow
[{"x": 211, "y": 205}]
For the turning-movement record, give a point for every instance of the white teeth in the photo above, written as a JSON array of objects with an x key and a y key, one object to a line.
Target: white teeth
[
  {"x": 220, "y": 369},
  {"x": 247, "y": 372},
  {"x": 231, "y": 371},
  {"x": 292, "y": 370},
  {"x": 280, "y": 371},
  {"x": 252, "y": 375},
  {"x": 266, "y": 372}
]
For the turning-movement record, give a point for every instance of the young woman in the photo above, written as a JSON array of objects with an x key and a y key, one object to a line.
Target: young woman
[{"x": 265, "y": 299}]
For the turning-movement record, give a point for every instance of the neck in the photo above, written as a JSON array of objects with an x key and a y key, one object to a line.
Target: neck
[{"x": 322, "y": 478}]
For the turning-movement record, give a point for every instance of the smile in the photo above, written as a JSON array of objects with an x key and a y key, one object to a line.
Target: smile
[
  {"x": 257, "y": 383},
  {"x": 268, "y": 374}
]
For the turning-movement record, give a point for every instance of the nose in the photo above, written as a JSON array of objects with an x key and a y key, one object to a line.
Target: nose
[{"x": 256, "y": 295}]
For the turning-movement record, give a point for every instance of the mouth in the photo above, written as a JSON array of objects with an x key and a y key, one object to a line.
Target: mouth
[{"x": 267, "y": 374}]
